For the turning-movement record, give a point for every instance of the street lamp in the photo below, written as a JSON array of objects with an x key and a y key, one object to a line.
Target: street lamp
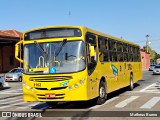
[{"x": 147, "y": 42}]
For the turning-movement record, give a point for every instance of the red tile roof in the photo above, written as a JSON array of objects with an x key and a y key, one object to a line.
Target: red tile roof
[{"x": 10, "y": 33}]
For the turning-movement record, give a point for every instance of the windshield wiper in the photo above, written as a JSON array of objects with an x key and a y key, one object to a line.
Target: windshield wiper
[
  {"x": 41, "y": 49},
  {"x": 63, "y": 43}
]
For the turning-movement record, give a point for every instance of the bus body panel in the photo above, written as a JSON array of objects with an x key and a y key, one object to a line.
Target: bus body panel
[{"x": 79, "y": 86}]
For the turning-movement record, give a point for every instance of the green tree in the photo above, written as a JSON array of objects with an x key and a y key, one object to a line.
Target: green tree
[{"x": 153, "y": 54}]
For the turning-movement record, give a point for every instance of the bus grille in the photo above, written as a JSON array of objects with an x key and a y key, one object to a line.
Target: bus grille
[
  {"x": 58, "y": 96},
  {"x": 50, "y": 78},
  {"x": 57, "y": 88}
]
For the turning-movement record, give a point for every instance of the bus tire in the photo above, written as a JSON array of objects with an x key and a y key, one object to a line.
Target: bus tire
[
  {"x": 52, "y": 104},
  {"x": 102, "y": 94},
  {"x": 131, "y": 86}
]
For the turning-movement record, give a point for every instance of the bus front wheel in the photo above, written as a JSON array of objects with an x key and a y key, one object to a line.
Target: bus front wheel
[{"x": 102, "y": 93}]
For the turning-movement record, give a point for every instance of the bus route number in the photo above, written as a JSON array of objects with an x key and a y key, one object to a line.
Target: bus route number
[
  {"x": 129, "y": 67},
  {"x": 37, "y": 84}
]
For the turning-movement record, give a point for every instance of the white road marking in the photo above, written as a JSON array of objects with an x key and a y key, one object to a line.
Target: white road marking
[
  {"x": 1, "y": 100},
  {"x": 11, "y": 105},
  {"x": 11, "y": 90},
  {"x": 11, "y": 101},
  {"x": 16, "y": 91},
  {"x": 151, "y": 103},
  {"x": 126, "y": 102},
  {"x": 108, "y": 101},
  {"x": 147, "y": 87},
  {"x": 12, "y": 93},
  {"x": 27, "y": 106}
]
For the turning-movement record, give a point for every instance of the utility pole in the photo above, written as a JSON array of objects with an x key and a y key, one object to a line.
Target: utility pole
[{"x": 147, "y": 42}]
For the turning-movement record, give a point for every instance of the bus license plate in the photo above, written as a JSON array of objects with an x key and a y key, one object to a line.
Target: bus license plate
[{"x": 50, "y": 95}]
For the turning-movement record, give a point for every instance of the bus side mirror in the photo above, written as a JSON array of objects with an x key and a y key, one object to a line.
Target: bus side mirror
[
  {"x": 17, "y": 51},
  {"x": 91, "y": 51}
]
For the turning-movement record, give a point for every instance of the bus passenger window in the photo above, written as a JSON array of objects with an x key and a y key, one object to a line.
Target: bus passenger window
[
  {"x": 130, "y": 57},
  {"x": 125, "y": 57},
  {"x": 103, "y": 48},
  {"x": 120, "y": 56},
  {"x": 119, "y": 47},
  {"x": 113, "y": 56}
]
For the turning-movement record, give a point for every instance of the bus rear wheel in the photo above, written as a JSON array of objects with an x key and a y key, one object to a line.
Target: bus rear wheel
[
  {"x": 102, "y": 93},
  {"x": 131, "y": 86},
  {"x": 52, "y": 104}
]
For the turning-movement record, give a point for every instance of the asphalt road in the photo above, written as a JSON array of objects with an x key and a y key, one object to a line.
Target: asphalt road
[{"x": 141, "y": 103}]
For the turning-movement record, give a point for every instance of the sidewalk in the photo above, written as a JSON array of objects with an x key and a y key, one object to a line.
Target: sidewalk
[{"x": 144, "y": 69}]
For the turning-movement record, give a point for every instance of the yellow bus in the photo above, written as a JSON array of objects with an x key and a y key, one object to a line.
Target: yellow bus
[{"x": 76, "y": 63}]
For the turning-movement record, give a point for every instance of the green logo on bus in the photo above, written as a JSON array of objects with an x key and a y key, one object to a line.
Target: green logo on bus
[
  {"x": 64, "y": 83},
  {"x": 114, "y": 70}
]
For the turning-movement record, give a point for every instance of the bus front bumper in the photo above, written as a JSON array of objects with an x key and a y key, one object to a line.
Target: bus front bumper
[{"x": 77, "y": 92}]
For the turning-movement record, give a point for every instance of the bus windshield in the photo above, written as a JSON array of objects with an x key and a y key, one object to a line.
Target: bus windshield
[{"x": 61, "y": 57}]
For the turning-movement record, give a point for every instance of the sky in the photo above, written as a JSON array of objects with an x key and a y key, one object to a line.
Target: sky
[{"x": 130, "y": 19}]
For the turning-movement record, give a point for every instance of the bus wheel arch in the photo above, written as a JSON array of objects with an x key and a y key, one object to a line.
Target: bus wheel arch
[
  {"x": 131, "y": 81},
  {"x": 102, "y": 91}
]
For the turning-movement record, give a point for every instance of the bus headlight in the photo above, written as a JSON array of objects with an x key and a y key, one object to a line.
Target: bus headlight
[
  {"x": 70, "y": 87},
  {"x": 28, "y": 87},
  {"x": 81, "y": 81},
  {"x": 76, "y": 85}
]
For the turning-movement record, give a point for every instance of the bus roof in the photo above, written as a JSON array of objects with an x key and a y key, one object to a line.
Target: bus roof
[
  {"x": 87, "y": 29},
  {"x": 111, "y": 37}
]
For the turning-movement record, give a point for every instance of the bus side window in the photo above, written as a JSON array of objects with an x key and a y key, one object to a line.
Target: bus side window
[
  {"x": 130, "y": 57},
  {"x": 90, "y": 38},
  {"x": 125, "y": 57},
  {"x": 136, "y": 54},
  {"x": 112, "y": 45},
  {"x": 103, "y": 49},
  {"x": 120, "y": 56},
  {"x": 92, "y": 61},
  {"x": 113, "y": 56}
]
